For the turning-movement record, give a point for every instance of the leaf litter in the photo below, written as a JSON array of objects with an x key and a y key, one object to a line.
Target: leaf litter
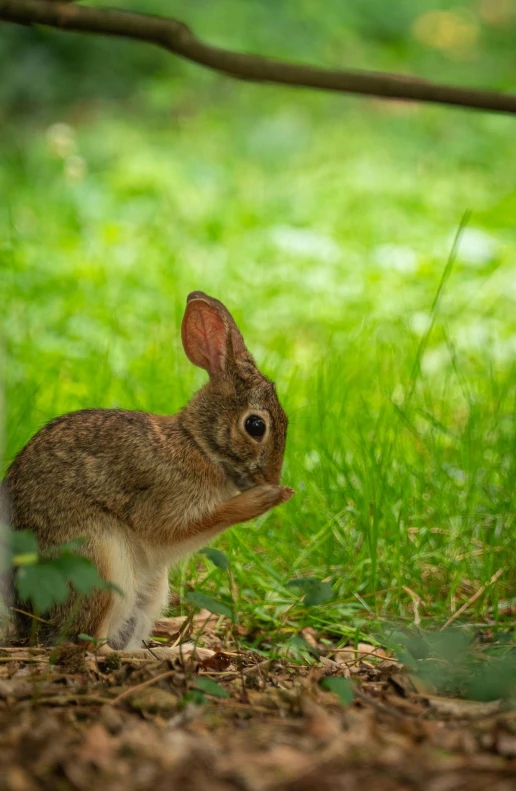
[{"x": 334, "y": 717}]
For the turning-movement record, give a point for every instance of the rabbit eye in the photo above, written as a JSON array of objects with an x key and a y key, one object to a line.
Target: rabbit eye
[{"x": 255, "y": 426}]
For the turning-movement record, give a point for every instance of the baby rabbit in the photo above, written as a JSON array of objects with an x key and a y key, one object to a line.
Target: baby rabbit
[{"x": 145, "y": 490}]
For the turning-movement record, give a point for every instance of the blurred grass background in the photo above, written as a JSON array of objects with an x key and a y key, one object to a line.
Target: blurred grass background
[{"x": 129, "y": 178}]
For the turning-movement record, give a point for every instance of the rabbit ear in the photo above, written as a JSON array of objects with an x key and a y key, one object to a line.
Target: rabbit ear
[
  {"x": 211, "y": 339},
  {"x": 237, "y": 342},
  {"x": 204, "y": 335}
]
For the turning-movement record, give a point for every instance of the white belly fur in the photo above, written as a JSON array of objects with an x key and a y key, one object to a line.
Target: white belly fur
[{"x": 141, "y": 572}]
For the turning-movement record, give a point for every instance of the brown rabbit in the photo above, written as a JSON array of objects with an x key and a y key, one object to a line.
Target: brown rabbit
[{"x": 145, "y": 490}]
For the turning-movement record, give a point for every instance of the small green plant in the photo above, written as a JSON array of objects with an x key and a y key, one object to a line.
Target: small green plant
[
  {"x": 202, "y": 600},
  {"x": 44, "y": 578},
  {"x": 202, "y": 687},
  {"x": 209, "y": 687},
  {"x": 341, "y": 687},
  {"x": 217, "y": 557},
  {"x": 455, "y": 662},
  {"x": 300, "y": 650},
  {"x": 205, "y": 686}
]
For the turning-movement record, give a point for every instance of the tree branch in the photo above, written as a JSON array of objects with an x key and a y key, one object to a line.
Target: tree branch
[{"x": 176, "y": 37}]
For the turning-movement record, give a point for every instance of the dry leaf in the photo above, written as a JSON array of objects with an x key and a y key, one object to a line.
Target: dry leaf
[
  {"x": 463, "y": 709},
  {"x": 332, "y": 665},
  {"x": 351, "y": 654},
  {"x": 321, "y": 725},
  {"x": 218, "y": 662},
  {"x": 97, "y": 747},
  {"x": 16, "y": 688},
  {"x": 17, "y": 779},
  {"x": 310, "y": 636},
  {"x": 506, "y": 744},
  {"x": 154, "y": 700}
]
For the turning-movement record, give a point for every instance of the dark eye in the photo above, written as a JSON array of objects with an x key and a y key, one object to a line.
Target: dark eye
[{"x": 255, "y": 426}]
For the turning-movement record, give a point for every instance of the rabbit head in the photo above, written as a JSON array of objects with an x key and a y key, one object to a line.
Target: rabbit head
[{"x": 236, "y": 417}]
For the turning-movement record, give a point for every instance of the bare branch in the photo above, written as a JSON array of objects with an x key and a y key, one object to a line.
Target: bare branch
[{"x": 175, "y": 37}]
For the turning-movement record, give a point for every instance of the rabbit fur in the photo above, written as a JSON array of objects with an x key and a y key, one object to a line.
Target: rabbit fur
[{"x": 145, "y": 490}]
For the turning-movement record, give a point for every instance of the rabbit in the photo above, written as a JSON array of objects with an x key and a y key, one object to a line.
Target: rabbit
[{"x": 146, "y": 490}]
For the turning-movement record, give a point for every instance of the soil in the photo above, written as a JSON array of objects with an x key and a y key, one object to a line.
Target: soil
[{"x": 71, "y": 720}]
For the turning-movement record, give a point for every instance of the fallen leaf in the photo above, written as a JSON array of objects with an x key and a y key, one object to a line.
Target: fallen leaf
[
  {"x": 153, "y": 700},
  {"x": 16, "y": 688},
  {"x": 320, "y": 724},
  {"x": 506, "y": 744},
  {"x": 218, "y": 662},
  {"x": 332, "y": 665},
  {"x": 462, "y": 709},
  {"x": 97, "y": 747},
  {"x": 402, "y": 684},
  {"x": 310, "y": 636},
  {"x": 17, "y": 779},
  {"x": 349, "y": 653},
  {"x": 171, "y": 627}
]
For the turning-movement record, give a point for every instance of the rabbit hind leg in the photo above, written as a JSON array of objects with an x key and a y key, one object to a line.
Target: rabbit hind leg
[{"x": 150, "y": 603}]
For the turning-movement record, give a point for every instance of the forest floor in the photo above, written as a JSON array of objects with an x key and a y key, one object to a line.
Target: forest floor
[{"x": 73, "y": 720}]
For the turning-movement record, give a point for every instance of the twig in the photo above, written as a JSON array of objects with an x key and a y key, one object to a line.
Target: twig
[
  {"x": 147, "y": 683},
  {"x": 377, "y": 704},
  {"x": 253, "y": 670},
  {"x": 29, "y": 614},
  {"x": 473, "y": 598},
  {"x": 147, "y": 646},
  {"x": 4, "y": 660},
  {"x": 176, "y": 37},
  {"x": 62, "y": 700},
  {"x": 360, "y": 656},
  {"x": 183, "y": 629}
]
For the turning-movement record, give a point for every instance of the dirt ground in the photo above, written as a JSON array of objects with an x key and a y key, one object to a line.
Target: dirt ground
[{"x": 77, "y": 723}]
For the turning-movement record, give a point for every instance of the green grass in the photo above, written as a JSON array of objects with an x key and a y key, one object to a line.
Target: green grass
[{"x": 326, "y": 225}]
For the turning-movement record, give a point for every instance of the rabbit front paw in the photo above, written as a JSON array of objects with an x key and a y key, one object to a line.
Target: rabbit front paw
[{"x": 268, "y": 496}]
